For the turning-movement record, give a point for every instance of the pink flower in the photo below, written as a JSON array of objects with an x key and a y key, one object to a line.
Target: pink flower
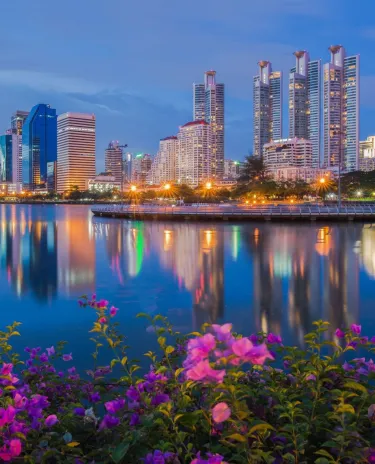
[
  {"x": 51, "y": 351},
  {"x": 11, "y": 450},
  {"x": 339, "y": 333},
  {"x": 247, "y": 352},
  {"x": 51, "y": 420},
  {"x": 242, "y": 346},
  {"x": 221, "y": 412},
  {"x": 102, "y": 303},
  {"x": 7, "y": 415},
  {"x": 356, "y": 329},
  {"x": 311, "y": 377},
  {"x": 200, "y": 347},
  {"x": 222, "y": 332},
  {"x": 6, "y": 369},
  {"x": 113, "y": 311},
  {"x": 67, "y": 357},
  {"x": 203, "y": 372},
  {"x": 102, "y": 320}
]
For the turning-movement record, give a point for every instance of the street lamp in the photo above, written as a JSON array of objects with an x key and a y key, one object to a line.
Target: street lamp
[
  {"x": 133, "y": 188},
  {"x": 167, "y": 186},
  {"x": 208, "y": 185},
  {"x": 322, "y": 180}
]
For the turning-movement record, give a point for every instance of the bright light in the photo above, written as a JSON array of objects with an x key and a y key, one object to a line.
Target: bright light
[
  {"x": 208, "y": 185},
  {"x": 322, "y": 180},
  {"x": 133, "y": 188},
  {"x": 292, "y": 201},
  {"x": 167, "y": 186},
  {"x": 115, "y": 197},
  {"x": 263, "y": 201},
  {"x": 247, "y": 202},
  {"x": 359, "y": 193},
  {"x": 373, "y": 193}
]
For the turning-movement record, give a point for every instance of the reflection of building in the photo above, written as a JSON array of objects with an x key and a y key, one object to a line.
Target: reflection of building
[
  {"x": 368, "y": 250},
  {"x": 76, "y": 150},
  {"x": 76, "y": 253},
  {"x": 267, "y": 106},
  {"x": 194, "y": 153},
  {"x": 39, "y": 146}
]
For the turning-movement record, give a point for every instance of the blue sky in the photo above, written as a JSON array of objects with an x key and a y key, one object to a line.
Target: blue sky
[{"x": 133, "y": 63}]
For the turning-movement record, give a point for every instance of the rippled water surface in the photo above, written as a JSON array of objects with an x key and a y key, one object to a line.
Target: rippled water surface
[{"x": 261, "y": 276}]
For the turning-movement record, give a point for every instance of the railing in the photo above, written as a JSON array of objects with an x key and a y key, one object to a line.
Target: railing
[{"x": 284, "y": 210}]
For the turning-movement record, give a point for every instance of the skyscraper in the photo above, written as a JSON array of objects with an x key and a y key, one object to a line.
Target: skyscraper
[
  {"x": 163, "y": 167},
  {"x": 141, "y": 166},
  {"x": 194, "y": 153},
  {"x": 39, "y": 146},
  {"x": 114, "y": 162},
  {"x": 6, "y": 158},
  {"x": 75, "y": 150},
  {"x": 16, "y": 125},
  {"x": 267, "y": 107},
  {"x": 304, "y": 102},
  {"x": 208, "y": 105},
  {"x": 341, "y": 110}
]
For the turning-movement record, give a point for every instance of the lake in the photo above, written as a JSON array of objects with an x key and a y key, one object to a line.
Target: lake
[{"x": 277, "y": 277}]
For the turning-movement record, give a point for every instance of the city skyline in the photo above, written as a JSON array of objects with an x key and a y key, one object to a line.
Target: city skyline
[{"x": 139, "y": 110}]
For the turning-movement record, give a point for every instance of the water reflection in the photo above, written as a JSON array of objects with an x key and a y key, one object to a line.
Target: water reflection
[{"x": 271, "y": 277}]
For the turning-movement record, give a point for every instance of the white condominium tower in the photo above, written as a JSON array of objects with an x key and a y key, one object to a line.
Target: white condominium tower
[
  {"x": 305, "y": 102},
  {"x": 267, "y": 106},
  {"x": 75, "y": 150},
  {"x": 194, "y": 153},
  {"x": 114, "y": 162},
  {"x": 163, "y": 168},
  {"x": 341, "y": 110},
  {"x": 208, "y": 105}
]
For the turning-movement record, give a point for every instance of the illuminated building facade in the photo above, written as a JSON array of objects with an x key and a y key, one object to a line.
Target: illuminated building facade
[
  {"x": 267, "y": 106},
  {"x": 75, "y": 150},
  {"x": 305, "y": 102},
  {"x": 114, "y": 161},
  {"x": 287, "y": 153},
  {"x": 140, "y": 168},
  {"x": 341, "y": 110},
  {"x": 16, "y": 126},
  {"x": 367, "y": 154},
  {"x": 232, "y": 169},
  {"x": 194, "y": 153},
  {"x": 163, "y": 167},
  {"x": 39, "y": 146},
  {"x": 208, "y": 105}
]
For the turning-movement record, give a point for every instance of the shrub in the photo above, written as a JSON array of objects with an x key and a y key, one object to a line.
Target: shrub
[{"x": 211, "y": 397}]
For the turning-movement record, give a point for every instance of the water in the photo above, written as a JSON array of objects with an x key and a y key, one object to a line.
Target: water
[{"x": 260, "y": 276}]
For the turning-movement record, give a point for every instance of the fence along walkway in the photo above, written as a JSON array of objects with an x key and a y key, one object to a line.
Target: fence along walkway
[{"x": 226, "y": 212}]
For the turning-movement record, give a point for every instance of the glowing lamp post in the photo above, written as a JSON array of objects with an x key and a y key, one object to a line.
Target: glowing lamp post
[
  {"x": 167, "y": 186},
  {"x": 133, "y": 188},
  {"x": 208, "y": 185}
]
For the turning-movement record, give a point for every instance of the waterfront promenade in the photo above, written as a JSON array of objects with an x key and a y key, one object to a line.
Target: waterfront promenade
[{"x": 238, "y": 212}]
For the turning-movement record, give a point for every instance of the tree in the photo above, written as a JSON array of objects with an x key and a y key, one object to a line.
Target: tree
[{"x": 254, "y": 169}]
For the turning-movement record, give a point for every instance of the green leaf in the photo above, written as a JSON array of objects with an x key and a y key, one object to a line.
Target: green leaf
[
  {"x": 169, "y": 349},
  {"x": 189, "y": 418},
  {"x": 124, "y": 360},
  {"x": 260, "y": 428},
  {"x": 114, "y": 362},
  {"x": 161, "y": 341},
  {"x": 237, "y": 437},
  {"x": 343, "y": 408},
  {"x": 325, "y": 453},
  {"x": 355, "y": 386},
  {"x": 321, "y": 461},
  {"x": 73, "y": 444},
  {"x": 120, "y": 452}
]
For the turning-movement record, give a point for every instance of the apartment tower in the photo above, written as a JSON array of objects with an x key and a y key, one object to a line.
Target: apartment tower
[
  {"x": 75, "y": 150},
  {"x": 267, "y": 107}
]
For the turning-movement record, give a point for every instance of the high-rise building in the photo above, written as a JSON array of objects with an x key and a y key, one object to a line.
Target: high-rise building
[
  {"x": 267, "y": 107},
  {"x": 367, "y": 154},
  {"x": 194, "y": 154},
  {"x": 288, "y": 152},
  {"x": 39, "y": 146},
  {"x": 75, "y": 150},
  {"x": 114, "y": 161},
  {"x": 341, "y": 110},
  {"x": 232, "y": 169},
  {"x": 16, "y": 124},
  {"x": 6, "y": 158},
  {"x": 304, "y": 102},
  {"x": 163, "y": 167},
  {"x": 208, "y": 105},
  {"x": 141, "y": 166}
]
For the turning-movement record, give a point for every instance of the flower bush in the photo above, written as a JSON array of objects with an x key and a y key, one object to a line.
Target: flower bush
[{"x": 214, "y": 397}]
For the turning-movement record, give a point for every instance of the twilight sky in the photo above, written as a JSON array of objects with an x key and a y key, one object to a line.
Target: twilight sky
[{"x": 133, "y": 62}]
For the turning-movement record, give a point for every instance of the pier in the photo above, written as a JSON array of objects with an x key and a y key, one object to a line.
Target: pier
[{"x": 238, "y": 212}]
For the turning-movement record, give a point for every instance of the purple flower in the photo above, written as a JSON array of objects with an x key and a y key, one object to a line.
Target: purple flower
[
  {"x": 356, "y": 329},
  {"x": 109, "y": 422},
  {"x": 222, "y": 332},
  {"x": 253, "y": 338},
  {"x": 200, "y": 347},
  {"x": 71, "y": 370},
  {"x": 158, "y": 457},
  {"x": 339, "y": 333},
  {"x": 273, "y": 339},
  {"x": 311, "y": 377},
  {"x": 51, "y": 420},
  {"x": 79, "y": 412},
  {"x": 113, "y": 311},
  {"x": 95, "y": 397},
  {"x": 134, "y": 419},
  {"x": 353, "y": 344},
  {"x": 114, "y": 406},
  {"x": 93, "y": 297},
  {"x": 43, "y": 358},
  {"x": 347, "y": 367},
  {"x": 102, "y": 303},
  {"x": 51, "y": 351},
  {"x": 372, "y": 340},
  {"x": 133, "y": 393},
  {"x": 67, "y": 357},
  {"x": 159, "y": 399}
]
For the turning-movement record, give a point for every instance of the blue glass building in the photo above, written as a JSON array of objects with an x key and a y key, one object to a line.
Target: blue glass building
[
  {"x": 6, "y": 159},
  {"x": 39, "y": 146}
]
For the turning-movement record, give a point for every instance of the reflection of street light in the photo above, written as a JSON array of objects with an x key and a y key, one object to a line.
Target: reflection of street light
[{"x": 133, "y": 188}]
